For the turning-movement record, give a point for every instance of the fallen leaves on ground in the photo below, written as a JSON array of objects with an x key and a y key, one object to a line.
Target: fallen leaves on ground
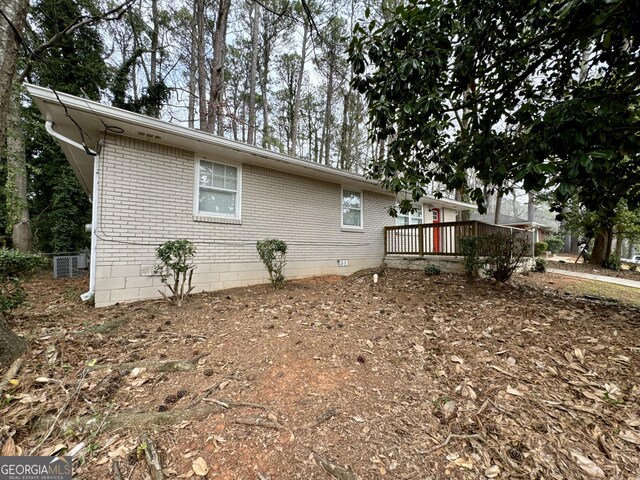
[{"x": 414, "y": 374}]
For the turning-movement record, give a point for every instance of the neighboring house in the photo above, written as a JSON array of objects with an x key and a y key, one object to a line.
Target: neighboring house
[
  {"x": 151, "y": 181},
  {"x": 540, "y": 231}
]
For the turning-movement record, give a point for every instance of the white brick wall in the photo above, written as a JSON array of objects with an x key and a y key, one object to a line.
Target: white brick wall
[{"x": 146, "y": 198}]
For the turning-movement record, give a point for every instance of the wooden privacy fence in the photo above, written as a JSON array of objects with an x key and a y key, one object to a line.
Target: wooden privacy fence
[{"x": 438, "y": 238}]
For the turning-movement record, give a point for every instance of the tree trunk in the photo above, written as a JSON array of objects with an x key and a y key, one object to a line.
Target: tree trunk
[
  {"x": 531, "y": 207},
  {"x": 17, "y": 202},
  {"x": 264, "y": 83},
  {"x": 153, "y": 74},
  {"x": 496, "y": 216},
  {"x": 193, "y": 65},
  {"x": 344, "y": 161},
  {"x": 200, "y": 58},
  {"x": 599, "y": 253},
  {"x": 296, "y": 104},
  {"x": 16, "y": 12},
  {"x": 11, "y": 345},
  {"x": 619, "y": 240},
  {"x": 567, "y": 243},
  {"x": 216, "y": 113},
  {"x": 326, "y": 129},
  {"x": 255, "y": 30},
  {"x": 461, "y": 215}
]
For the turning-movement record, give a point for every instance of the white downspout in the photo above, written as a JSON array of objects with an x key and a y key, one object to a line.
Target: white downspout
[
  {"x": 94, "y": 205},
  {"x": 94, "y": 228}
]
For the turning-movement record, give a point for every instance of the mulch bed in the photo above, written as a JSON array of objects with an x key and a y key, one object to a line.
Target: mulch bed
[{"x": 415, "y": 377}]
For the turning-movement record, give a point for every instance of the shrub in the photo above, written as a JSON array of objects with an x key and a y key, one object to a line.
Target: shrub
[
  {"x": 273, "y": 253},
  {"x": 613, "y": 262},
  {"x": 469, "y": 248},
  {"x": 432, "y": 270},
  {"x": 540, "y": 265},
  {"x": 504, "y": 253},
  {"x": 15, "y": 268},
  {"x": 539, "y": 248},
  {"x": 176, "y": 260},
  {"x": 633, "y": 267},
  {"x": 555, "y": 243}
]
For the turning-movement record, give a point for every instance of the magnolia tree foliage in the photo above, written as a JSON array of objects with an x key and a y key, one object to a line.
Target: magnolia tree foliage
[
  {"x": 543, "y": 93},
  {"x": 273, "y": 254},
  {"x": 176, "y": 262}
]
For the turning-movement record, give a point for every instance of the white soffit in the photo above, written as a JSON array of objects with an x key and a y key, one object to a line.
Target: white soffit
[{"x": 94, "y": 118}]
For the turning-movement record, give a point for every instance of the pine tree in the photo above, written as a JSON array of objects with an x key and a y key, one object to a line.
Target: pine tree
[{"x": 59, "y": 207}]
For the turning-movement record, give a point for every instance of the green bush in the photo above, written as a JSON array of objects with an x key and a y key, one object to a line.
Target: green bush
[
  {"x": 613, "y": 262},
  {"x": 432, "y": 270},
  {"x": 469, "y": 246},
  {"x": 555, "y": 243},
  {"x": 273, "y": 253},
  {"x": 539, "y": 248},
  {"x": 176, "y": 260},
  {"x": 504, "y": 253},
  {"x": 15, "y": 268},
  {"x": 539, "y": 265}
]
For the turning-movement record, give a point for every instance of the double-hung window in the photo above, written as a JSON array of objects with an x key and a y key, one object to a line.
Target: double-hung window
[
  {"x": 218, "y": 189},
  {"x": 351, "y": 208},
  {"x": 411, "y": 218}
]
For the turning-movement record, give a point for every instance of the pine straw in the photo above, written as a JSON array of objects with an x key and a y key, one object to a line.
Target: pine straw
[{"x": 417, "y": 377}]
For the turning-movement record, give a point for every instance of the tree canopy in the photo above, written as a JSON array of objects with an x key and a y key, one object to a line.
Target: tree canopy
[{"x": 543, "y": 93}]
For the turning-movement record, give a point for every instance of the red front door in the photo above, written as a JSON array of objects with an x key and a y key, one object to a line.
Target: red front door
[{"x": 436, "y": 230}]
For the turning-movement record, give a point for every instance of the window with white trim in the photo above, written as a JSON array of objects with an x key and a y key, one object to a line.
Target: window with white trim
[
  {"x": 218, "y": 189},
  {"x": 351, "y": 208},
  {"x": 411, "y": 218}
]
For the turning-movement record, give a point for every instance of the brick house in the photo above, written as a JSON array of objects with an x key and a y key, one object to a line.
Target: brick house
[{"x": 151, "y": 181}]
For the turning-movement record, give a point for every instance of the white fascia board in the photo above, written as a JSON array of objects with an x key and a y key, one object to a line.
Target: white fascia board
[
  {"x": 530, "y": 224},
  {"x": 97, "y": 115}
]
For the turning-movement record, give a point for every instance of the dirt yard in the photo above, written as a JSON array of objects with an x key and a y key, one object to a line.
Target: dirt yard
[{"x": 414, "y": 378}]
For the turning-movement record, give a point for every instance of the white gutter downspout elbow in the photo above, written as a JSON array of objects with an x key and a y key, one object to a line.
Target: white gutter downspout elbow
[
  {"x": 49, "y": 127},
  {"x": 94, "y": 205}
]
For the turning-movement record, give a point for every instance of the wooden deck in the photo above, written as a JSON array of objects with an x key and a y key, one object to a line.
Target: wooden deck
[{"x": 438, "y": 238}]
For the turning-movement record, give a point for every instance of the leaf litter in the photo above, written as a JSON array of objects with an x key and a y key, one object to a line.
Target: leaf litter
[{"x": 408, "y": 378}]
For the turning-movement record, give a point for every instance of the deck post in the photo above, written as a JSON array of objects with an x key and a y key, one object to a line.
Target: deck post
[
  {"x": 386, "y": 250},
  {"x": 420, "y": 240}
]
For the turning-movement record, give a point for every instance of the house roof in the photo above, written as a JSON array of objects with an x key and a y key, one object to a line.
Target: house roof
[
  {"x": 509, "y": 221},
  {"x": 70, "y": 115}
]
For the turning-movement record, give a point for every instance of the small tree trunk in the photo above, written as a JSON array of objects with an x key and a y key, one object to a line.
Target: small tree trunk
[
  {"x": 296, "y": 104},
  {"x": 193, "y": 65},
  {"x": 17, "y": 202},
  {"x": 255, "y": 30},
  {"x": 202, "y": 75},
  {"x": 155, "y": 46},
  {"x": 326, "y": 137},
  {"x": 496, "y": 217},
  {"x": 11, "y": 345},
  {"x": 531, "y": 208},
  {"x": 619, "y": 240}
]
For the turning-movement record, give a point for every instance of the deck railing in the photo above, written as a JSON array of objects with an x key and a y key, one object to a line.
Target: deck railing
[{"x": 437, "y": 238}]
